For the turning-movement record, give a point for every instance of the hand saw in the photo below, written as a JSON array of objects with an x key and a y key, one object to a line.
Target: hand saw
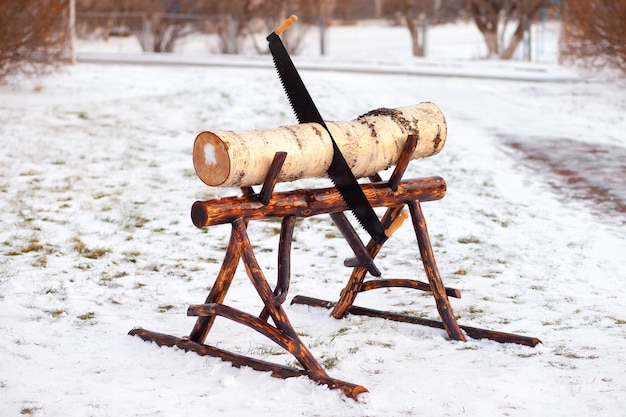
[{"x": 303, "y": 106}]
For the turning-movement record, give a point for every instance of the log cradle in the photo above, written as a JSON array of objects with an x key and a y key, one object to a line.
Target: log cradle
[{"x": 371, "y": 143}]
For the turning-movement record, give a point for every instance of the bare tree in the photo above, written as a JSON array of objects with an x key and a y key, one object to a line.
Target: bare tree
[
  {"x": 595, "y": 32},
  {"x": 34, "y": 36},
  {"x": 493, "y": 16},
  {"x": 244, "y": 19},
  {"x": 232, "y": 20},
  {"x": 417, "y": 15},
  {"x": 157, "y": 24},
  {"x": 414, "y": 14},
  {"x": 161, "y": 31}
]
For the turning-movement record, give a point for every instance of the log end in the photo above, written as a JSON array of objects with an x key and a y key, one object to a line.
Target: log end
[
  {"x": 438, "y": 138},
  {"x": 210, "y": 159},
  {"x": 199, "y": 214},
  {"x": 428, "y": 121}
]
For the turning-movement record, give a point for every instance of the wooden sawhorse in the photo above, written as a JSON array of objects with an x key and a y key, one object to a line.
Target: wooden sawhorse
[{"x": 394, "y": 194}]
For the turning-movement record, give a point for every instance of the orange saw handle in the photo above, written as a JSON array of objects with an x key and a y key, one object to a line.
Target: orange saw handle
[
  {"x": 396, "y": 223},
  {"x": 286, "y": 24}
]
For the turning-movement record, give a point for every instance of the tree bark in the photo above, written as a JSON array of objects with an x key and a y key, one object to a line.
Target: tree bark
[
  {"x": 486, "y": 17},
  {"x": 417, "y": 48},
  {"x": 516, "y": 39},
  {"x": 527, "y": 13},
  {"x": 371, "y": 143}
]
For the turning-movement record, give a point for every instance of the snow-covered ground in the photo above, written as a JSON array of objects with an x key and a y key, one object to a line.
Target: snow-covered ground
[{"x": 96, "y": 183}]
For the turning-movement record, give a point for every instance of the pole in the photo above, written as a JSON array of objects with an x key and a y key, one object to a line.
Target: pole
[
  {"x": 322, "y": 13},
  {"x": 72, "y": 30}
]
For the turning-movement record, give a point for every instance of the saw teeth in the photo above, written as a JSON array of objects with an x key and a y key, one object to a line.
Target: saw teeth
[{"x": 282, "y": 82}]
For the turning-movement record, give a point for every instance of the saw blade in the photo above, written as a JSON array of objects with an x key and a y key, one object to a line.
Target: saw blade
[{"x": 306, "y": 112}]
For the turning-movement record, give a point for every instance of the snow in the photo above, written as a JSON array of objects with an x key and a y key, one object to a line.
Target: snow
[
  {"x": 209, "y": 155},
  {"x": 96, "y": 183}
]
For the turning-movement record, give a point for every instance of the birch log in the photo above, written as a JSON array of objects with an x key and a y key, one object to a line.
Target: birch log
[{"x": 371, "y": 143}]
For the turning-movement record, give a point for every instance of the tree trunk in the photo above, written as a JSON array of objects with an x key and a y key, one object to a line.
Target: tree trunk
[
  {"x": 371, "y": 143},
  {"x": 486, "y": 18},
  {"x": 525, "y": 19},
  {"x": 491, "y": 39},
  {"x": 516, "y": 39},
  {"x": 487, "y": 15},
  {"x": 410, "y": 11},
  {"x": 418, "y": 49}
]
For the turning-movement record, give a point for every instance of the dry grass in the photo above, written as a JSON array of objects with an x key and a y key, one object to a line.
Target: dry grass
[{"x": 87, "y": 252}]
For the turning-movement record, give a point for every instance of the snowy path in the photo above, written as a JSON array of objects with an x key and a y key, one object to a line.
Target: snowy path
[{"x": 503, "y": 70}]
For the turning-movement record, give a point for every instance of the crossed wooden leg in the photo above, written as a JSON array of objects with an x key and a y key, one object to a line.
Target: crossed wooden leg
[
  {"x": 357, "y": 283},
  {"x": 282, "y": 333}
]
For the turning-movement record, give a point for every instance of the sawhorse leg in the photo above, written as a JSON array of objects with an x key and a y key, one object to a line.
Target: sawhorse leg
[
  {"x": 282, "y": 333},
  {"x": 357, "y": 283}
]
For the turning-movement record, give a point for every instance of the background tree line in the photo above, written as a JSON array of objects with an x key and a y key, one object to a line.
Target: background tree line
[{"x": 35, "y": 34}]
